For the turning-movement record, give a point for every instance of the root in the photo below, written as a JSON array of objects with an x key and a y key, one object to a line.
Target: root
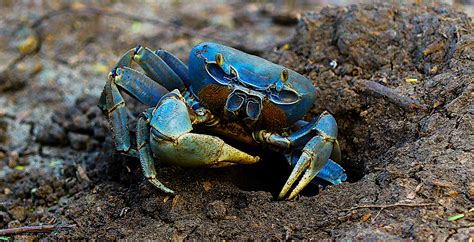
[
  {"x": 379, "y": 90},
  {"x": 33, "y": 229}
]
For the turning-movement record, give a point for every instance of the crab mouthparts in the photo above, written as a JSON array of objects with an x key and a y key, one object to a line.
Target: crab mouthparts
[{"x": 237, "y": 100}]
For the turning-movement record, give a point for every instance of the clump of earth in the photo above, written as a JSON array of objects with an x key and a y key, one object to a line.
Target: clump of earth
[{"x": 410, "y": 165}]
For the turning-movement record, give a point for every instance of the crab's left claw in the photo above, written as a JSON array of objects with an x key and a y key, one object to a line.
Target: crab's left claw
[{"x": 314, "y": 156}]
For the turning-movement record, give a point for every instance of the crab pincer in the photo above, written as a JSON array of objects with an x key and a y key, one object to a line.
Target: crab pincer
[{"x": 314, "y": 156}]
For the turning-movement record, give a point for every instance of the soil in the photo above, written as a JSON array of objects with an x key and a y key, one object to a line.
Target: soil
[{"x": 410, "y": 163}]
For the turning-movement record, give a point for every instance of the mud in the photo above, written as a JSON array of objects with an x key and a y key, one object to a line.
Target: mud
[{"x": 57, "y": 160}]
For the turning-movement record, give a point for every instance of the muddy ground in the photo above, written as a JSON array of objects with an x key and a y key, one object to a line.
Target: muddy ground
[{"x": 409, "y": 160}]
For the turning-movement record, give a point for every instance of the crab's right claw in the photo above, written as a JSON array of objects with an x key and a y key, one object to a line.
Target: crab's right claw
[{"x": 314, "y": 157}]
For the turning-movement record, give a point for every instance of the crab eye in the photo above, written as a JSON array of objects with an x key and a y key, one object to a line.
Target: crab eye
[
  {"x": 219, "y": 59},
  {"x": 284, "y": 75}
]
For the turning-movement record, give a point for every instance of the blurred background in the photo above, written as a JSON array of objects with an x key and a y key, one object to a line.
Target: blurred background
[{"x": 83, "y": 39}]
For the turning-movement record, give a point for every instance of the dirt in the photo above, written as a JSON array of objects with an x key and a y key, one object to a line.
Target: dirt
[{"x": 410, "y": 167}]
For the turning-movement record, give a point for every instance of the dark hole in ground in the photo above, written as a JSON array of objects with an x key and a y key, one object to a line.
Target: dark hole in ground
[
  {"x": 272, "y": 172},
  {"x": 352, "y": 153}
]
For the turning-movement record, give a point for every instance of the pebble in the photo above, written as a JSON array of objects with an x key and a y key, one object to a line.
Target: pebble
[
  {"x": 43, "y": 191},
  {"x": 18, "y": 213},
  {"x": 13, "y": 160},
  {"x": 52, "y": 134},
  {"x": 14, "y": 224},
  {"x": 216, "y": 210},
  {"x": 79, "y": 141}
]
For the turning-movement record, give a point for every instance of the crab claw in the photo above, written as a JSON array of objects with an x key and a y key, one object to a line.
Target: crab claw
[{"x": 314, "y": 156}]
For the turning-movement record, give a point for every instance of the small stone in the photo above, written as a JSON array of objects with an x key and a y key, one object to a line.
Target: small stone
[
  {"x": 79, "y": 122},
  {"x": 411, "y": 195},
  {"x": 79, "y": 141},
  {"x": 14, "y": 224},
  {"x": 7, "y": 191},
  {"x": 149, "y": 205},
  {"x": 52, "y": 134},
  {"x": 81, "y": 173},
  {"x": 43, "y": 191},
  {"x": 453, "y": 194},
  {"x": 207, "y": 185},
  {"x": 19, "y": 136},
  {"x": 13, "y": 160},
  {"x": 18, "y": 213},
  {"x": 216, "y": 210}
]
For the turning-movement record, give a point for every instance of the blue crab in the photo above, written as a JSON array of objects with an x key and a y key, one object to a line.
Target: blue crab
[{"x": 222, "y": 92}]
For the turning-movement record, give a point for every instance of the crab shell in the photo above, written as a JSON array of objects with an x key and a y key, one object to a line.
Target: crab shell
[{"x": 253, "y": 77}]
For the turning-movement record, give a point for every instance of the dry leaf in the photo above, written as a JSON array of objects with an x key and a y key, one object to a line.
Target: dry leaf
[
  {"x": 366, "y": 217},
  {"x": 175, "y": 201}
]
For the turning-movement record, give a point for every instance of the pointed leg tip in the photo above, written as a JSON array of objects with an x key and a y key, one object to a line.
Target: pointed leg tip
[
  {"x": 162, "y": 187},
  {"x": 171, "y": 192},
  {"x": 136, "y": 49}
]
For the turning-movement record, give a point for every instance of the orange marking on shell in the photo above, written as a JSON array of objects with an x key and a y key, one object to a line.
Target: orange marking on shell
[
  {"x": 273, "y": 118},
  {"x": 214, "y": 97}
]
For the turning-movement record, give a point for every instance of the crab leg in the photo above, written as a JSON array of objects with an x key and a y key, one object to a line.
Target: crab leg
[
  {"x": 157, "y": 69},
  {"x": 138, "y": 85},
  {"x": 125, "y": 60},
  {"x": 145, "y": 155},
  {"x": 113, "y": 105},
  {"x": 164, "y": 68},
  {"x": 176, "y": 65},
  {"x": 116, "y": 112}
]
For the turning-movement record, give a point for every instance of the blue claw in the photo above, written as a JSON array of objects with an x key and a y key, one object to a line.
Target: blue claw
[{"x": 314, "y": 159}]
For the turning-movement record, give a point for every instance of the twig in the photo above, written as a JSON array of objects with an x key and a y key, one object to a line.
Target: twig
[
  {"x": 381, "y": 206},
  {"x": 33, "y": 229},
  {"x": 376, "y": 89}
]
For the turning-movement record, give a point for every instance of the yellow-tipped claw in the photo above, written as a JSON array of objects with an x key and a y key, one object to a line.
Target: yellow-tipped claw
[{"x": 313, "y": 158}]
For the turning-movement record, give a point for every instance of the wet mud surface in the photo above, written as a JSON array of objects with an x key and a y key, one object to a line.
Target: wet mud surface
[{"x": 410, "y": 162}]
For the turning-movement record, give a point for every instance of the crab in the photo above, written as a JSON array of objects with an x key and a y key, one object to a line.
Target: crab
[{"x": 221, "y": 93}]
